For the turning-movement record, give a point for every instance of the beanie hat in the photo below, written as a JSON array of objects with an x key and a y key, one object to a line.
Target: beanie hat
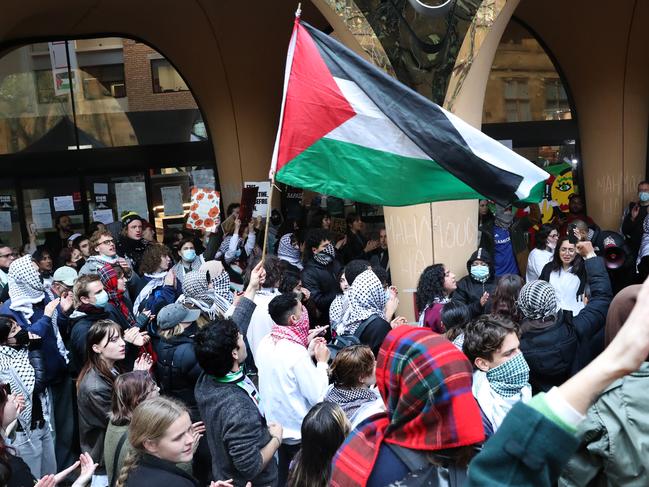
[
  {"x": 537, "y": 300},
  {"x": 129, "y": 217}
]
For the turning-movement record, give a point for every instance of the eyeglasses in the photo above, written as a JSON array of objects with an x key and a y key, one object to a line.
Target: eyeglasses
[
  {"x": 553, "y": 235},
  {"x": 109, "y": 241}
]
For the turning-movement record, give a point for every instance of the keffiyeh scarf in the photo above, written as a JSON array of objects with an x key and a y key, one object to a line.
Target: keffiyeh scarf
[
  {"x": 156, "y": 280},
  {"x": 25, "y": 286},
  {"x": 286, "y": 251},
  {"x": 108, "y": 277},
  {"x": 181, "y": 269},
  {"x": 17, "y": 371},
  {"x": 214, "y": 302},
  {"x": 337, "y": 310},
  {"x": 425, "y": 382},
  {"x": 350, "y": 400},
  {"x": 366, "y": 297},
  {"x": 297, "y": 333},
  {"x": 537, "y": 300}
]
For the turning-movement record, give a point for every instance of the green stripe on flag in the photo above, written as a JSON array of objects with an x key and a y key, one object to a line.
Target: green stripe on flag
[
  {"x": 372, "y": 176},
  {"x": 536, "y": 194}
]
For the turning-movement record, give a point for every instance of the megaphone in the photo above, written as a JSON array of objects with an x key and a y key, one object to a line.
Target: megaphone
[{"x": 612, "y": 249}]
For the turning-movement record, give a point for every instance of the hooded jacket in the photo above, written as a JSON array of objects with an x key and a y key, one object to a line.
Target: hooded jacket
[
  {"x": 558, "y": 349},
  {"x": 469, "y": 290}
]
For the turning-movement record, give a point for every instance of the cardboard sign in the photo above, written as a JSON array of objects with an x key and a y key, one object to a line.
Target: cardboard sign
[{"x": 204, "y": 209}]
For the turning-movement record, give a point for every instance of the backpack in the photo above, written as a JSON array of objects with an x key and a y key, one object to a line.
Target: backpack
[
  {"x": 348, "y": 340},
  {"x": 425, "y": 474}
]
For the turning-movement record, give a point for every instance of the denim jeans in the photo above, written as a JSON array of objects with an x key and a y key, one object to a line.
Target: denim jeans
[{"x": 37, "y": 450}]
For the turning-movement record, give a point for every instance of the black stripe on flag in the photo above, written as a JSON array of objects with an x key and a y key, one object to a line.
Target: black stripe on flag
[{"x": 420, "y": 119}]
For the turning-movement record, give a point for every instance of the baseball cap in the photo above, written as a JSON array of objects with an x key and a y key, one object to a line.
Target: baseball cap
[
  {"x": 66, "y": 275},
  {"x": 175, "y": 313}
]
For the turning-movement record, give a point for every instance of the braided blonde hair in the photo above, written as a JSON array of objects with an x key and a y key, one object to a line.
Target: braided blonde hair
[{"x": 150, "y": 421}]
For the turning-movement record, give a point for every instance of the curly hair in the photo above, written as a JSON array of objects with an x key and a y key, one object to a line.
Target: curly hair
[
  {"x": 152, "y": 256},
  {"x": 214, "y": 345},
  {"x": 430, "y": 285},
  {"x": 506, "y": 295},
  {"x": 313, "y": 240}
]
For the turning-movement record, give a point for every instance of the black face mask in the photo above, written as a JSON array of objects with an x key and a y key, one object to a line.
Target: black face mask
[{"x": 21, "y": 338}]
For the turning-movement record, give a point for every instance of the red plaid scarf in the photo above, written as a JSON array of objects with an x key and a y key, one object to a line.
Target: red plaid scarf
[
  {"x": 108, "y": 278},
  {"x": 425, "y": 382},
  {"x": 297, "y": 333}
]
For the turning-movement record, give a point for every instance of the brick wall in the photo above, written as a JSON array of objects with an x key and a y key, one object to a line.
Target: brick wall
[{"x": 139, "y": 85}]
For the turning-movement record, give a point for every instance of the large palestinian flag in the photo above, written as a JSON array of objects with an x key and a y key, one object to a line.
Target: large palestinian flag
[{"x": 349, "y": 130}]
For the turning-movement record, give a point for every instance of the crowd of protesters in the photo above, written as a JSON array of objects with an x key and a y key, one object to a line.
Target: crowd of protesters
[{"x": 190, "y": 361}]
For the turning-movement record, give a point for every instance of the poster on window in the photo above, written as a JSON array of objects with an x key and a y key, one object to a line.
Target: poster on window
[
  {"x": 131, "y": 197},
  {"x": 261, "y": 203},
  {"x": 204, "y": 210}
]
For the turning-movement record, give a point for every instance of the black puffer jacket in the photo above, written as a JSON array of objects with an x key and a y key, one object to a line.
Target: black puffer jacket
[
  {"x": 557, "y": 351},
  {"x": 469, "y": 291},
  {"x": 177, "y": 369},
  {"x": 322, "y": 284}
]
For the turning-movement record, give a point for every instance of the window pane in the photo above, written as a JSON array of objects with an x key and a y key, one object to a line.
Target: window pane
[
  {"x": 125, "y": 93},
  {"x": 519, "y": 54}
]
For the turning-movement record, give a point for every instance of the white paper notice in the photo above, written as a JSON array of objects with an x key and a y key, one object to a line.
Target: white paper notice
[
  {"x": 42, "y": 220},
  {"x": 63, "y": 203},
  {"x": 101, "y": 188},
  {"x": 40, "y": 206},
  {"x": 261, "y": 205},
  {"x": 203, "y": 178},
  {"x": 41, "y": 213},
  {"x": 5, "y": 221},
  {"x": 172, "y": 200},
  {"x": 103, "y": 216},
  {"x": 132, "y": 197}
]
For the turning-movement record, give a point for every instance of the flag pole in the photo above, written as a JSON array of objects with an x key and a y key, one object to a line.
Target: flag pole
[
  {"x": 298, "y": 13},
  {"x": 269, "y": 209}
]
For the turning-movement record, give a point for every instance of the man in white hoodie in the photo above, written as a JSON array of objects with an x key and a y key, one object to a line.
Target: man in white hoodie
[
  {"x": 290, "y": 384},
  {"x": 501, "y": 376}
]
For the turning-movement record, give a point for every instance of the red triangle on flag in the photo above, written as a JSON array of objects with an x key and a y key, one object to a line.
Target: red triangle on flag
[{"x": 314, "y": 104}]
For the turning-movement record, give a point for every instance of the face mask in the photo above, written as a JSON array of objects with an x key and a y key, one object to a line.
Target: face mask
[
  {"x": 480, "y": 272},
  {"x": 325, "y": 256},
  {"x": 101, "y": 299},
  {"x": 237, "y": 253},
  {"x": 388, "y": 294},
  {"x": 303, "y": 322},
  {"x": 643, "y": 196},
  {"x": 21, "y": 338},
  {"x": 510, "y": 377},
  {"x": 189, "y": 255}
]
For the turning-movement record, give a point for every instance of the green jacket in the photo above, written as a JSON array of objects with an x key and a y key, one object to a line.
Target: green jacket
[
  {"x": 614, "y": 448},
  {"x": 527, "y": 450}
]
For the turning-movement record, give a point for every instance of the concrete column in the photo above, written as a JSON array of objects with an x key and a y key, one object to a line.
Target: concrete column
[{"x": 446, "y": 232}]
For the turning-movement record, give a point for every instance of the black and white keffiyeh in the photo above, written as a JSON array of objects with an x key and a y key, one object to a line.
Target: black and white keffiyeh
[
  {"x": 25, "y": 286},
  {"x": 286, "y": 251},
  {"x": 181, "y": 270},
  {"x": 337, "y": 310},
  {"x": 366, "y": 298},
  {"x": 17, "y": 371},
  {"x": 215, "y": 301},
  {"x": 537, "y": 300},
  {"x": 350, "y": 400}
]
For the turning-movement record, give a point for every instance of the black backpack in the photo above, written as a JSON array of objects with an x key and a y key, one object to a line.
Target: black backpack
[{"x": 344, "y": 341}]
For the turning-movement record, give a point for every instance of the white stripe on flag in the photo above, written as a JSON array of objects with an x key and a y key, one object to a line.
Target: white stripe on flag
[
  {"x": 496, "y": 154},
  {"x": 370, "y": 127}
]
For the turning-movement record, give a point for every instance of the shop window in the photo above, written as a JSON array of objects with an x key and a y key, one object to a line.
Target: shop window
[{"x": 165, "y": 77}]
